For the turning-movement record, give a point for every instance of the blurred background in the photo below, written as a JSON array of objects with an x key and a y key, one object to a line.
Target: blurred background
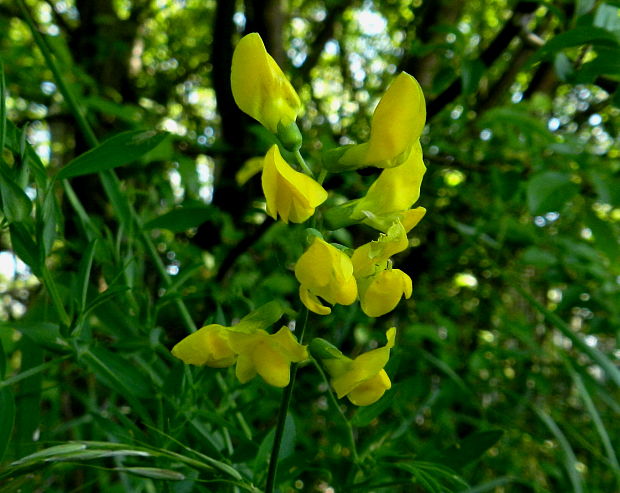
[{"x": 506, "y": 367}]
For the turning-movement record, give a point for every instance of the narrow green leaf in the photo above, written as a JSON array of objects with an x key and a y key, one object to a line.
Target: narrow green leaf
[
  {"x": 596, "y": 419},
  {"x": 16, "y": 205},
  {"x": 114, "y": 152},
  {"x": 56, "y": 450},
  {"x": 84, "y": 275},
  {"x": 471, "y": 448},
  {"x": 181, "y": 219},
  {"x": 47, "y": 220},
  {"x": 7, "y": 419},
  {"x": 575, "y": 37},
  {"x": 25, "y": 247},
  {"x": 595, "y": 354},
  {"x": 118, "y": 373},
  {"x": 2, "y": 361},
  {"x": 570, "y": 460},
  {"x": 153, "y": 472},
  {"x": 494, "y": 484},
  {"x": 2, "y": 109},
  {"x": 549, "y": 191}
]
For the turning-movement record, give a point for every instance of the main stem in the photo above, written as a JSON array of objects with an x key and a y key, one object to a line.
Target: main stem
[{"x": 283, "y": 412}]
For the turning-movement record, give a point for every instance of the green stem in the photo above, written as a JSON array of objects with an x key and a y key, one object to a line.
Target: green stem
[
  {"x": 337, "y": 407},
  {"x": 31, "y": 371},
  {"x": 302, "y": 163},
  {"x": 283, "y": 412}
]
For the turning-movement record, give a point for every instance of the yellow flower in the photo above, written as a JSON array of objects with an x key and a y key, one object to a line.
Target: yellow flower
[
  {"x": 208, "y": 346},
  {"x": 254, "y": 351},
  {"x": 363, "y": 379},
  {"x": 379, "y": 286},
  {"x": 247, "y": 344},
  {"x": 388, "y": 199},
  {"x": 269, "y": 355},
  {"x": 260, "y": 88},
  {"x": 380, "y": 293},
  {"x": 396, "y": 124},
  {"x": 392, "y": 194},
  {"x": 325, "y": 271},
  {"x": 290, "y": 194},
  {"x": 374, "y": 255}
]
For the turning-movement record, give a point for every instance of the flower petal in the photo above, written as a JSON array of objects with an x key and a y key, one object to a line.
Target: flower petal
[
  {"x": 312, "y": 303},
  {"x": 208, "y": 346},
  {"x": 385, "y": 291},
  {"x": 272, "y": 365},
  {"x": 396, "y": 189},
  {"x": 371, "y": 390},
  {"x": 364, "y": 367},
  {"x": 396, "y": 124},
  {"x": 245, "y": 369},
  {"x": 289, "y": 193},
  {"x": 259, "y": 87}
]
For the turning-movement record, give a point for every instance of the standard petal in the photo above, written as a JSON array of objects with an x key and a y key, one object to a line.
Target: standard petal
[
  {"x": 287, "y": 343},
  {"x": 396, "y": 124},
  {"x": 290, "y": 194},
  {"x": 396, "y": 189},
  {"x": 259, "y": 87},
  {"x": 314, "y": 267}
]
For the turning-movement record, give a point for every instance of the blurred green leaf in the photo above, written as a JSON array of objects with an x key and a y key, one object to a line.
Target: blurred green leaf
[
  {"x": 182, "y": 219},
  {"x": 7, "y": 419},
  {"x": 119, "y": 373},
  {"x": 576, "y": 37},
  {"x": 153, "y": 472},
  {"x": 549, "y": 191},
  {"x": 570, "y": 460},
  {"x": 119, "y": 150},
  {"x": 16, "y": 205},
  {"x": 471, "y": 448},
  {"x": 25, "y": 247}
]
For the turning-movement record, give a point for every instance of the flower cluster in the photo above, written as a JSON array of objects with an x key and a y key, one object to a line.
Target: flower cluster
[{"x": 328, "y": 274}]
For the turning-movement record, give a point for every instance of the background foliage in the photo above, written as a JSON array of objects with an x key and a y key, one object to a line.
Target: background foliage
[{"x": 506, "y": 368}]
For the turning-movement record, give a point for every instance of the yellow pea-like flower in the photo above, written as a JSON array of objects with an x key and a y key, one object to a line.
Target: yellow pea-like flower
[
  {"x": 381, "y": 293},
  {"x": 269, "y": 355},
  {"x": 372, "y": 256},
  {"x": 289, "y": 194},
  {"x": 253, "y": 350},
  {"x": 380, "y": 287},
  {"x": 393, "y": 193},
  {"x": 396, "y": 125},
  {"x": 363, "y": 379},
  {"x": 208, "y": 346},
  {"x": 325, "y": 271},
  {"x": 260, "y": 88},
  {"x": 388, "y": 199}
]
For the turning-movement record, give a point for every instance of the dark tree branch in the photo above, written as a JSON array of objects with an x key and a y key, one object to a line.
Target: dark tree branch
[
  {"x": 511, "y": 29},
  {"x": 324, "y": 34}
]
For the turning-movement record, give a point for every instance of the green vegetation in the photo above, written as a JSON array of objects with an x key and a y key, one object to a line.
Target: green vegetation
[{"x": 132, "y": 214}]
